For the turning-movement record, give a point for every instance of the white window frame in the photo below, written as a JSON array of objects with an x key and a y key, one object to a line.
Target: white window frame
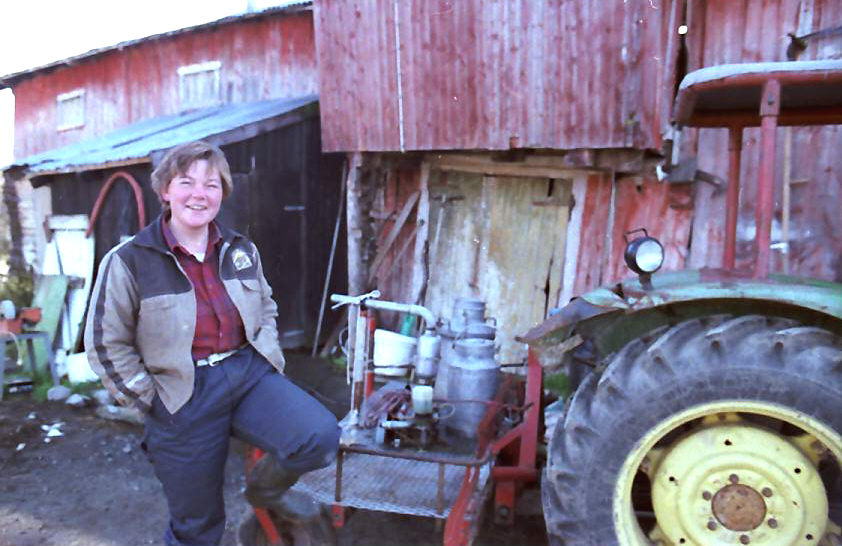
[
  {"x": 185, "y": 71},
  {"x": 65, "y": 98}
]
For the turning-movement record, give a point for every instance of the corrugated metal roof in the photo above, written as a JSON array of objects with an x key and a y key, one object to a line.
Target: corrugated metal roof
[
  {"x": 140, "y": 142},
  {"x": 10, "y": 80}
]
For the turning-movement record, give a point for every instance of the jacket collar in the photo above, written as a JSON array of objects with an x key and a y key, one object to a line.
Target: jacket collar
[{"x": 152, "y": 236}]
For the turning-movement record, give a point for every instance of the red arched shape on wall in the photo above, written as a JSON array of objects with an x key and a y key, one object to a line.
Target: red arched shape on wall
[{"x": 138, "y": 196}]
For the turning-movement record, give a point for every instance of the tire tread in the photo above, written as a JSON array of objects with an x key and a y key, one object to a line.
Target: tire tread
[{"x": 650, "y": 378}]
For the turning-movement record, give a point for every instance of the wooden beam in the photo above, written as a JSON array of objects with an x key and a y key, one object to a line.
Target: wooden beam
[
  {"x": 670, "y": 64},
  {"x": 356, "y": 267},
  {"x": 483, "y": 165},
  {"x": 620, "y": 161},
  {"x": 405, "y": 245},
  {"x": 420, "y": 261},
  {"x": 390, "y": 239},
  {"x": 564, "y": 165}
]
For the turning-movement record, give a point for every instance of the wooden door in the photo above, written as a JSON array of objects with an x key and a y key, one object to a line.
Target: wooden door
[{"x": 501, "y": 239}]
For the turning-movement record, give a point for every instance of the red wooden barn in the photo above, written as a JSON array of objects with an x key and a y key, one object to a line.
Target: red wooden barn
[
  {"x": 524, "y": 137},
  {"x": 500, "y": 149}
]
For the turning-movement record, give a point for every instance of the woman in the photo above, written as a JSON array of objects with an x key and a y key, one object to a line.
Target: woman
[{"x": 182, "y": 325}]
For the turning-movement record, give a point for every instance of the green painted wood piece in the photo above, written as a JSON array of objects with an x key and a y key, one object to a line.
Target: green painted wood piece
[{"x": 50, "y": 293}]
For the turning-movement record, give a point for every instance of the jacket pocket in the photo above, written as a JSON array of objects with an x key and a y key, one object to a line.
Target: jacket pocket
[
  {"x": 161, "y": 323},
  {"x": 157, "y": 303}
]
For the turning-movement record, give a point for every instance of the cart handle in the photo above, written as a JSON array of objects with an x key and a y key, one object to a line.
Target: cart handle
[
  {"x": 374, "y": 303},
  {"x": 341, "y": 299}
]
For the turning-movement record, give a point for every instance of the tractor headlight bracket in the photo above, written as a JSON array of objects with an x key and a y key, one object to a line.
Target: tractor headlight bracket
[{"x": 644, "y": 255}]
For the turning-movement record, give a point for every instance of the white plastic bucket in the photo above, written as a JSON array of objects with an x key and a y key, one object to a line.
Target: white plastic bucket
[{"x": 393, "y": 353}]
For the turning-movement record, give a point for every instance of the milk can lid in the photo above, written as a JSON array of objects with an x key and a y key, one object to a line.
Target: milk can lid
[{"x": 475, "y": 347}]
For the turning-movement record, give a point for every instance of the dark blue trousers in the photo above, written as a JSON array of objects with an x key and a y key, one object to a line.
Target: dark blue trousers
[{"x": 245, "y": 397}]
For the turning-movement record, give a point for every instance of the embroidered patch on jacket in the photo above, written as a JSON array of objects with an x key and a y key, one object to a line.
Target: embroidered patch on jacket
[{"x": 241, "y": 259}]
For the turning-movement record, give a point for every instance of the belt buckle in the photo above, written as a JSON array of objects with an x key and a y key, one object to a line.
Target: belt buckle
[
  {"x": 212, "y": 360},
  {"x": 216, "y": 358}
]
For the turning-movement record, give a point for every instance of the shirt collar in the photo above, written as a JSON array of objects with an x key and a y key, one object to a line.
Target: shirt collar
[{"x": 213, "y": 236}]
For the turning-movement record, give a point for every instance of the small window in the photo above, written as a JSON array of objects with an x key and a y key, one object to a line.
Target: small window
[
  {"x": 198, "y": 85},
  {"x": 70, "y": 110}
]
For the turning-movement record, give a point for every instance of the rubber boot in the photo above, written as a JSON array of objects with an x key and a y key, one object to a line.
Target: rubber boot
[{"x": 267, "y": 486}]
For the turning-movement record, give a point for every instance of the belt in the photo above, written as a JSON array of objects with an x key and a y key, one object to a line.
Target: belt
[{"x": 216, "y": 358}]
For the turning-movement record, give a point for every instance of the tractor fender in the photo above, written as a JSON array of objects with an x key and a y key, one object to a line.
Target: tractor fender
[{"x": 605, "y": 319}]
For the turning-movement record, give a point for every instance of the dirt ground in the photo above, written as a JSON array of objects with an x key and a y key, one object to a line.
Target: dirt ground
[{"x": 93, "y": 486}]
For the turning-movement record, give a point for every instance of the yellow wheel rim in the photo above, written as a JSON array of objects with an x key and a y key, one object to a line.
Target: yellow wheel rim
[{"x": 730, "y": 481}]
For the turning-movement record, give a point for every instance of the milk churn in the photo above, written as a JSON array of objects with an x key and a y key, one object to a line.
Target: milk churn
[
  {"x": 468, "y": 321},
  {"x": 480, "y": 330},
  {"x": 467, "y": 311},
  {"x": 473, "y": 380}
]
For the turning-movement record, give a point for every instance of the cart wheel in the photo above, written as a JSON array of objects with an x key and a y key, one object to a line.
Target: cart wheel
[{"x": 313, "y": 532}]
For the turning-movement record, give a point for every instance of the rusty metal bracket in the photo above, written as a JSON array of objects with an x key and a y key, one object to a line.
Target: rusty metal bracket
[
  {"x": 797, "y": 44},
  {"x": 687, "y": 171}
]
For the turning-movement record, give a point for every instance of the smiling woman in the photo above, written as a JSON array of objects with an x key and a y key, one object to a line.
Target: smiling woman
[{"x": 182, "y": 325}]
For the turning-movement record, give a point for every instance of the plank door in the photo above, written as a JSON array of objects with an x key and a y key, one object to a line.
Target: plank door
[{"x": 501, "y": 239}]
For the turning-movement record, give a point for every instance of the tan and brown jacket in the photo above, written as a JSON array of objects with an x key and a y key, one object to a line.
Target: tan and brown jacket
[{"x": 142, "y": 316}]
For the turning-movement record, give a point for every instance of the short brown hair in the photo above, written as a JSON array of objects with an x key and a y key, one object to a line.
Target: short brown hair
[{"x": 178, "y": 160}]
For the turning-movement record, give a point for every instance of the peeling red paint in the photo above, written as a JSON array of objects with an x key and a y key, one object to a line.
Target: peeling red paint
[{"x": 490, "y": 74}]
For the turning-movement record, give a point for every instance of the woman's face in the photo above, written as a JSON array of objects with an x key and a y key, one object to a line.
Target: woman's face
[{"x": 195, "y": 196}]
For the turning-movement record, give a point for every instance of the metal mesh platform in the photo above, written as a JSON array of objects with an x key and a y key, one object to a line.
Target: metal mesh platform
[{"x": 388, "y": 484}]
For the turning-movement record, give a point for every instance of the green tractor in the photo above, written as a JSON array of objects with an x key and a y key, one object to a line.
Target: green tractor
[{"x": 710, "y": 409}]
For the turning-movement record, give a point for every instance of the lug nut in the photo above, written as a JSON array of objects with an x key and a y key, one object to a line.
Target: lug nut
[
  {"x": 773, "y": 523},
  {"x": 706, "y": 495},
  {"x": 766, "y": 492},
  {"x": 733, "y": 478},
  {"x": 712, "y": 525},
  {"x": 744, "y": 539}
]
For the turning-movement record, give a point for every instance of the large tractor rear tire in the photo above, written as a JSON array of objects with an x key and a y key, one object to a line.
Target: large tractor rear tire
[{"x": 721, "y": 430}]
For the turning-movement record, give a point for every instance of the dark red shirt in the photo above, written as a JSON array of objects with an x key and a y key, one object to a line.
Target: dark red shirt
[{"x": 219, "y": 327}]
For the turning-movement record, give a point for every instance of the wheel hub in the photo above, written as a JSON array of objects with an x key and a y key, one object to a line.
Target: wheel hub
[
  {"x": 739, "y": 507},
  {"x": 738, "y": 484}
]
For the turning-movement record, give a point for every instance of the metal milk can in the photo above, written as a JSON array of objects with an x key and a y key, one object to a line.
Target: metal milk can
[
  {"x": 473, "y": 381},
  {"x": 468, "y": 321}
]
